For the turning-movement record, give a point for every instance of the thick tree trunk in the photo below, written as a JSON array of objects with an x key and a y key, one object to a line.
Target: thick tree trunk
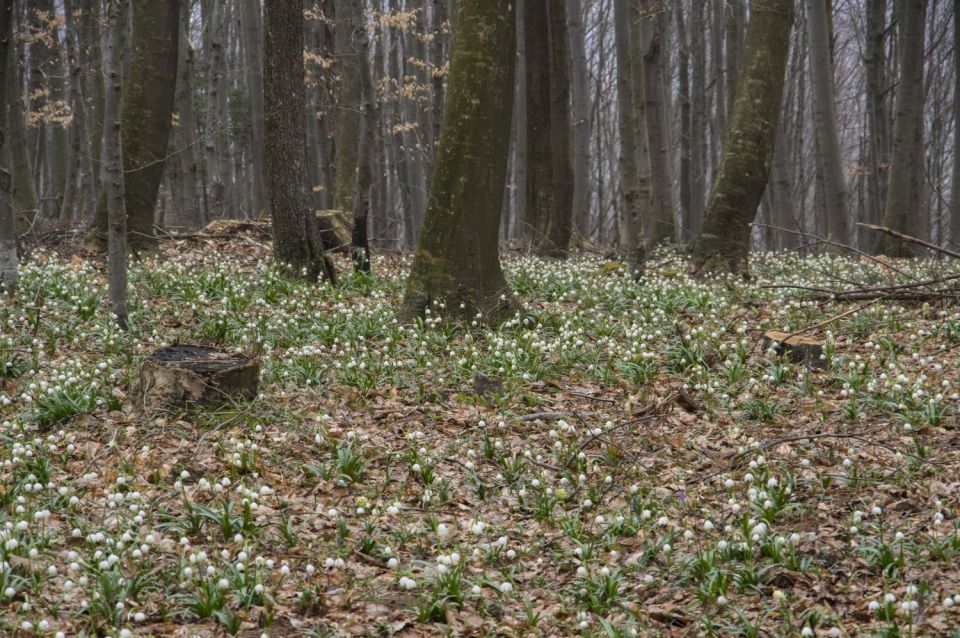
[
  {"x": 580, "y": 94},
  {"x": 113, "y": 166},
  {"x": 638, "y": 32},
  {"x": 297, "y": 237},
  {"x": 149, "y": 89},
  {"x": 349, "y": 21},
  {"x": 8, "y": 229},
  {"x": 146, "y": 116},
  {"x": 902, "y": 212},
  {"x": 748, "y": 148},
  {"x": 253, "y": 54},
  {"x": 630, "y": 191},
  {"x": 457, "y": 259},
  {"x": 825, "y": 124}
]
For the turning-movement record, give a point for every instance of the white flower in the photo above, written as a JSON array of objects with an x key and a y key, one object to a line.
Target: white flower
[
  {"x": 506, "y": 587},
  {"x": 407, "y": 583}
]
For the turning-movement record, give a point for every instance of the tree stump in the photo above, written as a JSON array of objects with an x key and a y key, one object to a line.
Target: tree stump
[
  {"x": 796, "y": 348},
  {"x": 183, "y": 374}
]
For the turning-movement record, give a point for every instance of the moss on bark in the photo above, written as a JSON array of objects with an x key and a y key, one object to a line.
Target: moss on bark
[
  {"x": 724, "y": 239},
  {"x": 457, "y": 258}
]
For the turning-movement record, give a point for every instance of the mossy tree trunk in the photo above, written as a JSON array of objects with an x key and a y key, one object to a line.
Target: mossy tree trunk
[
  {"x": 724, "y": 239},
  {"x": 549, "y": 199},
  {"x": 297, "y": 237},
  {"x": 457, "y": 258},
  {"x": 146, "y": 116},
  {"x": 8, "y": 230},
  {"x": 903, "y": 208}
]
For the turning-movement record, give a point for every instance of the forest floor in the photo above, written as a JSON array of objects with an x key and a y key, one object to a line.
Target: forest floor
[{"x": 628, "y": 461}]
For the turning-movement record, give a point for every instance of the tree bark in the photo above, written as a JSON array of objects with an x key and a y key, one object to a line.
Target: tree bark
[
  {"x": 360, "y": 242},
  {"x": 457, "y": 259},
  {"x": 186, "y": 215},
  {"x": 744, "y": 169},
  {"x": 698, "y": 115},
  {"x": 146, "y": 117},
  {"x": 630, "y": 191},
  {"x": 113, "y": 166},
  {"x": 903, "y": 191},
  {"x": 550, "y": 159},
  {"x": 878, "y": 143},
  {"x": 662, "y": 224},
  {"x": 8, "y": 229},
  {"x": 297, "y": 239},
  {"x": 580, "y": 94},
  {"x": 253, "y": 54},
  {"x": 683, "y": 96},
  {"x": 825, "y": 124},
  {"x": 24, "y": 190},
  {"x": 955, "y": 181},
  {"x": 349, "y": 20}
]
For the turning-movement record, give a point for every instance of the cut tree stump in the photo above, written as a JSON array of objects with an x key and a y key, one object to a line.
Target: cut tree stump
[
  {"x": 184, "y": 374},
  {"x": 796, "y": 348}
]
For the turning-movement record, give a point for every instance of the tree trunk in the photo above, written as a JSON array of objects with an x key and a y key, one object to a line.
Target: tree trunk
[
  {"x": 877, "y": 130},
  {"x": 733, "y": 49},
  {"x": 630, "y": 191},
  {"x": 216, "y": 142},
  {"x": 113, "y": 166},
  {"x": 360, "y": 243},
  {"x": 657, "y": 124},
  {"x": 297, "y": 237},
  {"x": 748, "y": 148},
  {"x": 550, "y": 159},
  {"x": 146, "y": 117},
  {"x": 825, "y": 124},
  {"x": 580, "y": 93},
  {"x": 8, "y": 229},
  {"x": 955, "y": 181},
  {"x": 457, "y": 259},
  {"x": 91, "y": 60},
  {"x": 349, "y": 20},
  {"x": 698, "y": 115},
  {"x": 24, "y": 190},
  {"x": 906, "y": 168},
  {"x": 149, "y": 89},
  {"x": 187, "y": 215},
  {"x": 253, "y": 54},
  {"x": 439, "y": 27},
  {"x": 683, "y": 96}
]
